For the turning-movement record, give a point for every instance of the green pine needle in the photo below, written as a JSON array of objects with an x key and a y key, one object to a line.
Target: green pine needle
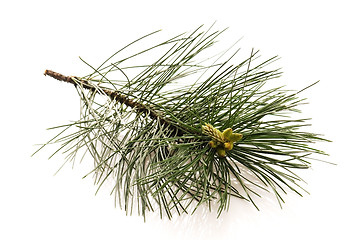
[{"x": 145, "y": 132}]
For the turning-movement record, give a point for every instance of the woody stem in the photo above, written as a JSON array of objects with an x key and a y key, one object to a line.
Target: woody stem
[{"x": 114, "y": 95}]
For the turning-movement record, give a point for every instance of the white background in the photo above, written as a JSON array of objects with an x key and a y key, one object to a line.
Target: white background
[{"x": 316, "y": 40}]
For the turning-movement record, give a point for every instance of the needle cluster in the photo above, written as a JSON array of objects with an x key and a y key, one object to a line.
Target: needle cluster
[{"x": 149, "y": 136}]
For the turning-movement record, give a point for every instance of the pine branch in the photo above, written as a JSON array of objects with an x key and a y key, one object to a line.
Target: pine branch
[{"x": 224, "y": 135}]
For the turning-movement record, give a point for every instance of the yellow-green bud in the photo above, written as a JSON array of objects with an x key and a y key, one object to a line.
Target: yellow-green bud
[
  {"x": 221, "y": 141},
  {"x": 212, "y": 144},
  {"x": 234, "y": 137},
  {"x": 221, "y": 151},
  {"x": 227, "y": 134},
  {"x": 228, "y": 146}
]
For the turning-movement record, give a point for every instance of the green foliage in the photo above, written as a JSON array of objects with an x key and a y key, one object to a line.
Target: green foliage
[{"x": 158, "y": 156}]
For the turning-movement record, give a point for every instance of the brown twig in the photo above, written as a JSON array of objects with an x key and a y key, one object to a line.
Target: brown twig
[{"x": 141, "y": 108}]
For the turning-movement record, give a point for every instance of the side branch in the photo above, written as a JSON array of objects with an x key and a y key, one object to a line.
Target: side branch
[{"x": 141, "y": 108}]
